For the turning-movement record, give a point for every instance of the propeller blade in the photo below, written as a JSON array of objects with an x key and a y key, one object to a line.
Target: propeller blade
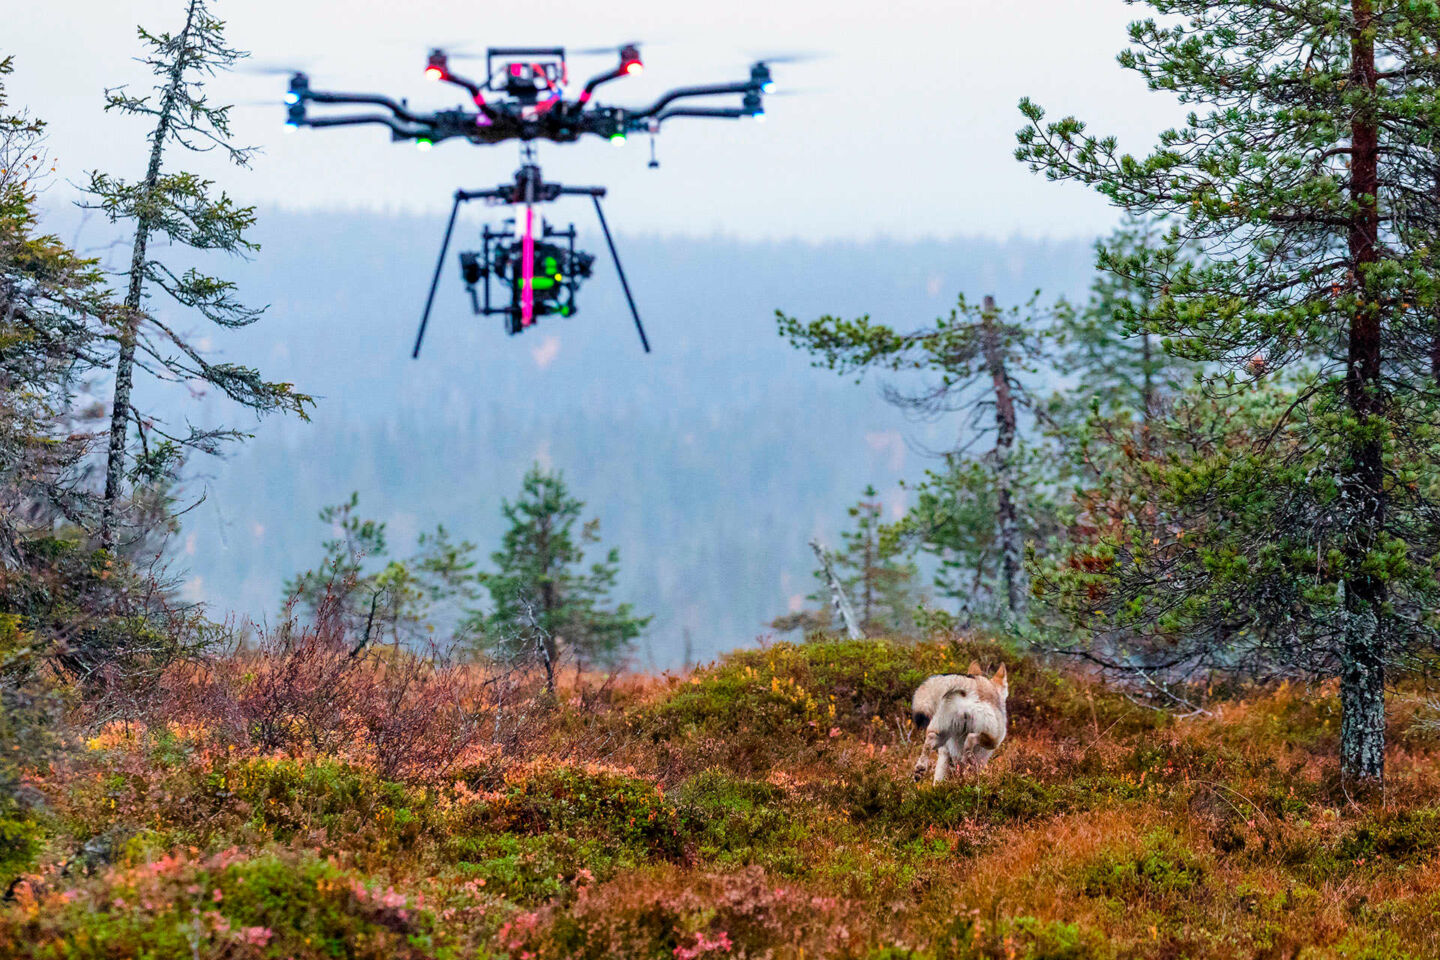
[
  {"x": 271, "y": 69},
  {"x": 596, "y": 51},
  {"x": 804, "y": 56}
]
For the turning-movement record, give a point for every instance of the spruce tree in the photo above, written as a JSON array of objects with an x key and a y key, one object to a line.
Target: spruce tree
[
  {"x": 1306, "y": 173},
  {"x": 1107, "y": 349},
  {"x": 544, "y": 602},
  {"x": 186, "y": 212}
]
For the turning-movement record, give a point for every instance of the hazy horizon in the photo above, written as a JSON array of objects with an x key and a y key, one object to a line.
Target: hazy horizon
[{"x": 913, "y": 109}]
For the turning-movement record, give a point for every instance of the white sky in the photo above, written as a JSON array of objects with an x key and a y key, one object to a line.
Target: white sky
[{"x": 906, "y": 129}]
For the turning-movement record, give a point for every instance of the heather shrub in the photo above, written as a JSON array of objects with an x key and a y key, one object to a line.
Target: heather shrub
[
  {"x": 744, "y": 914},
  {"x": 590, "y": 803},
  {"x": 226, "y": 905},
  {"x": 738, "y": 822},
  {"x": 968, "y": 937}
]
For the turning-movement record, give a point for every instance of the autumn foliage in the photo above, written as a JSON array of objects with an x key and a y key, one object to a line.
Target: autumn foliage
[{"x": 292, "y": 800}]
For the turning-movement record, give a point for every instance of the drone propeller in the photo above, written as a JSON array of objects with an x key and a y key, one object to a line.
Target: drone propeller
[
  {"x": 596, "y": 51},
  {"x": 272, "y": 69},
  {"x": 790, "y": 57},
  {"x": 455, "y": 52}
]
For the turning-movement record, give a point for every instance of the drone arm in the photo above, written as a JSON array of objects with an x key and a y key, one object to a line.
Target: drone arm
[
  {"x": 709, "y": 90},
  {"x": 400, "y": 129},
  {"x": 598, "y": 79},
  {"x": 723, "y": 113},
  {"x": 476, "y": 92},
  {"x": 399, "y": 110}
]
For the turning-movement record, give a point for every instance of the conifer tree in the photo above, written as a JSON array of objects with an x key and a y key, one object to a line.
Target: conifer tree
[
  {"x": 976, "y": 355},
  {"x": 1306, "y": 174},
  {"x": 1107, "y": 349},
  {"x": 544, "y": 602},
  {"x": 67, "y": 612},
  {"x": 871, "y": 568},
  {"x": 185, "y": 211},
  {"x": 381, "y": 597},
  {"x": 53, "y": 309}
]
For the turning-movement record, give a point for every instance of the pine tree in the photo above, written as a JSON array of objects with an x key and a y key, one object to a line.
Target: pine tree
[
  {"x": 953, "y": 518},
  {"x": 1307, "y": 175},
  {"x": 184, "y": 210},
  {"x": 977, "y": 354},
  {"x": 381, "y": 597},
  {"x": 53, "y": 308},
  {"x": 871, "y": 568},
  {"x": 1107, "y": 349},
  {"x": 543, "y": 601}
]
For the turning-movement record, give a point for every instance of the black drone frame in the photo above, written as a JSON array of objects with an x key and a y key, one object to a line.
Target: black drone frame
[
  {"x": 528, "y": 188},
  {"x": 523, "y": 115}
]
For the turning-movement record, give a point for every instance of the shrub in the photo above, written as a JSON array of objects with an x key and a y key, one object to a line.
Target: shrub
[
  {"x": 310, "y": 689},
  {"x": 226, "y": 905}
]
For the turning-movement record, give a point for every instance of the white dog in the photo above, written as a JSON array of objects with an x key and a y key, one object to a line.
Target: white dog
[{"x": 963, "y": 718}]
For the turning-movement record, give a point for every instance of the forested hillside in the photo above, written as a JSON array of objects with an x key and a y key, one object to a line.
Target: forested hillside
[{"x": 710, "y": 463}]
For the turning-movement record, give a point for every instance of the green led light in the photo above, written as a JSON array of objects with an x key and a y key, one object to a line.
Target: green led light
[
  {"x": 542, "y": 283},
  {"x": 617, "y": 138},
  {"x": 424, "y": 143},
  {"x": 565, "y": 311},
  {"x": 550, "y": 264}
]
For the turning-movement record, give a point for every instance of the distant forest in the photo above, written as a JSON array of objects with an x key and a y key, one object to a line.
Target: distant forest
[{"x": 710, "y": 463}]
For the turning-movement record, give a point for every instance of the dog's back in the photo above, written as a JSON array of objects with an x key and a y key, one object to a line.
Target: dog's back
[{"x": 963, "y": 716}]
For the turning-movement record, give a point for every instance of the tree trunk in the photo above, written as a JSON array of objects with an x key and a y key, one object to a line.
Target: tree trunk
[
  {"x": 1147, "y": 387},
  {"x": 1362, "y": 675},
  {"x": 134, "y": 296},
  {"x": 837, "y": 594},
  {"x": 1005, "y": 514}
]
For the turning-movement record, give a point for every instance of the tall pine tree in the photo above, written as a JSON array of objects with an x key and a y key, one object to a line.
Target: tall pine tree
[
  {"x": 1306, "y": 174},
  {"x": 184, "y": 210}
]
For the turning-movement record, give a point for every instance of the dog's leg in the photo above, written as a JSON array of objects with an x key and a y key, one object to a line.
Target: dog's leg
[
  {"x": 976, "y": 754},
  {"x": 942, "y": 762},
  {"x": 932, "y": 743},
  {"x": 920, "y": 764}
]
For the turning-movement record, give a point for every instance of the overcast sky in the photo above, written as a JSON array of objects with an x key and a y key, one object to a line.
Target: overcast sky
[{"x": 905, "y": 129}]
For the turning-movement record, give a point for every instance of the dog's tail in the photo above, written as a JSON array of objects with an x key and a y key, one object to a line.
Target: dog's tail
[{"x": 963, "y": 730}]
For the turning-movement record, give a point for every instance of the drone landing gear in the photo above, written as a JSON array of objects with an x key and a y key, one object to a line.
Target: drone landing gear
[{"x": 562, "y": 268}]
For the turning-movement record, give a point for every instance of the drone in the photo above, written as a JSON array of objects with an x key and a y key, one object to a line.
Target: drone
[
  {"x": 526, "y": 102},
  {"x": 523, "y": 98}
]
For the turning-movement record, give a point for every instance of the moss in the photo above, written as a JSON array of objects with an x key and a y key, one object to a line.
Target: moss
[
  {"x": 22, "y": 837},
  {"x": 968, "y": 937},
  {"x": 1161, "y": 867},
  {"x": 735, "y": 821},
  {"x": 1409, "y": 836}
]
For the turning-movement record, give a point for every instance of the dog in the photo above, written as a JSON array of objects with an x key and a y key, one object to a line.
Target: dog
[{"x": 963, "y": 716}]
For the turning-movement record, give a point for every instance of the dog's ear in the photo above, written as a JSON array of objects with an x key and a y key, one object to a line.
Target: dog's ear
[
  {"x": 1000, "y": 680},
  {"x": 974, "y": 669}
]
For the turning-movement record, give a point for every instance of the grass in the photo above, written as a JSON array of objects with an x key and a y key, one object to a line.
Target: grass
[{"x": 761, "y": 806}]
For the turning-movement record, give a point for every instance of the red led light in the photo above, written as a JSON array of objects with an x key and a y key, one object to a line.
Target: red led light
[
  {"x": 434, "y": 73},
  {"x": 634, "y": 66}
]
